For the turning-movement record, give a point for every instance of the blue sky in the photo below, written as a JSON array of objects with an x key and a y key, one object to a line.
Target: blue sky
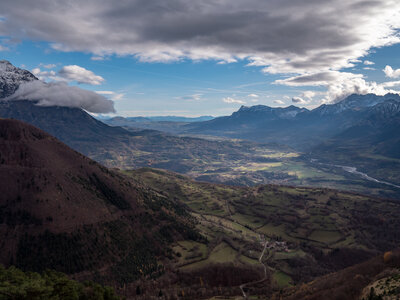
[{"x": 172, "y": 71}]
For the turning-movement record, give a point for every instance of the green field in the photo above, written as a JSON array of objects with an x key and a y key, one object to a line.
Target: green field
[
  {"x": 282, "y": 279},
  {"x": 245, "y": 163},
  {"x": 222, "y": 253},
  {"x": 297, "y": 222}
]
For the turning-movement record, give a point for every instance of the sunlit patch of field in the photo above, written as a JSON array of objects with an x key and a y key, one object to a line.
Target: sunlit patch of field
[
  {"x": 281, "y": 155},
  {"x": 302, "y": 171},
  {"x": 257, "y": 166},
  {"x": 222, "y": 253},
  {"x": 282, "y": 279}
]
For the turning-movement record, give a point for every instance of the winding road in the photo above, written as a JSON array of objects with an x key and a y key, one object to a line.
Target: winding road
[{"x": 242, "y": 286}]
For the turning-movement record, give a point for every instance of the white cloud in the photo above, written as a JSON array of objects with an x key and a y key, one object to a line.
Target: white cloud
[
  {"x": 339, "y": 84},
  {"x": 253, "y": 96},
  {"x": 48, "y": 66},
  {"x": 317, "y": 79},
  {"x": 299, "y": 100},
  {"x": 60, "y": 94},
  {"x": 304, "y": 98},
  {"x": 369, "y": 69},
  {"x": 112, "y": 95},
  {"x": 97, "y": 58},
  {"x": 308, "y": 95},
  {"x": 391, "y": 84},
  {"x": 108, "y": 93},
  {"x": 340, "y": 89},
  {"x": 367, "y": 62},
  {"x": 46, "y": 75},
  {"x": 194, "y": 97},
  {"x": 389, "y": 72},
  {"x": 68, "y": 74},
  {"x": 232, "y": 100},
  {"x": 80, "y": 75},
  {"x": 284, "y": 36},
  {"x": 280, "y": 102}
]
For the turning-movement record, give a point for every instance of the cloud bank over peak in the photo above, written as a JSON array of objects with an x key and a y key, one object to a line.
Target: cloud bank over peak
[
  {"x": 61, "y": 94},
  {"x": 283, "y": 36},
  {"x": 339, "y": 85}
]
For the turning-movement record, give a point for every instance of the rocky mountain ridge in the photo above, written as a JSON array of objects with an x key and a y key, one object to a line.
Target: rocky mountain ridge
[{"x": 11, "y": 77}]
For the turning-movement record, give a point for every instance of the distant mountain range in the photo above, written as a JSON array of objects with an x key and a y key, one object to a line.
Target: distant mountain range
[
  {"x": 160, "y": 119},
  {"x": 293, "y": 126},
  {"x": 170, "y": 124}
]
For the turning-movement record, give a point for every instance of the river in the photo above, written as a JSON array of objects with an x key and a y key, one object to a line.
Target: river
[{"x": 353, "y": 170}]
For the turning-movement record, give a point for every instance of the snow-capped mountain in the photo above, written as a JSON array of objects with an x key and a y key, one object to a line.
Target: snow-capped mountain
[
  {"x": 11, "y": 77},
  {"x": 354, "y": 102},
  {"x": 298, "y": 127},
  {"x": 264, "y": 111}
]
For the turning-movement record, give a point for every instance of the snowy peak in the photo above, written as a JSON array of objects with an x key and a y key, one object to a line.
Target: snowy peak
[
  {"x": 387, "y": 109},
  {"x": 280, "y": 112},
  {"x": 11, "y": 77},
  {"x": 369, "y": 100},
  {"x": 254, "y": 108},
  {"x": 355, "y": 102}
]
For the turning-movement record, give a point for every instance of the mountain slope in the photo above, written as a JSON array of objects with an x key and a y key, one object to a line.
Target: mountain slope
[
  {"x": 73, "y": 126},
  {"x": 258, "y": 123},
  {"x": 63, "y": 211}
]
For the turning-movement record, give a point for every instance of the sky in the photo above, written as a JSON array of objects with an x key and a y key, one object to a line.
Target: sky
[{"x": 206, "y": 57}]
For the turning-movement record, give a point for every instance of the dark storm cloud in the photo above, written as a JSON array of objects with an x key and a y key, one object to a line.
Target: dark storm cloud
[{"x": 285, "y": 36}]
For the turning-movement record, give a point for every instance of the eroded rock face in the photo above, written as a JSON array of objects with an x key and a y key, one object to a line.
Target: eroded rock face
[{"x": 11, "y": 77}]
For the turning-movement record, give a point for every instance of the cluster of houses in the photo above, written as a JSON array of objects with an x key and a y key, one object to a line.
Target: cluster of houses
[{"x": 274, "y": 245}]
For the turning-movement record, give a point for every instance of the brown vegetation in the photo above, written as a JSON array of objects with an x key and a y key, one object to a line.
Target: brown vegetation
[
  {"x": 346, "y": 284},
  {"x": 61, "y": 210}
]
